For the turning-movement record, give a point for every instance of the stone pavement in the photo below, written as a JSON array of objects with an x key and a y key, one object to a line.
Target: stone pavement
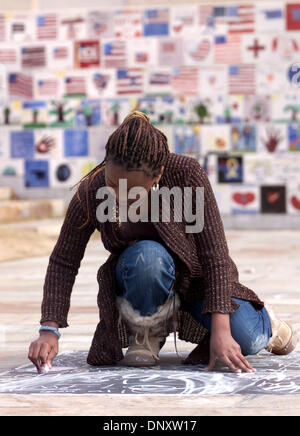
[{"x": 268, "y": 262}]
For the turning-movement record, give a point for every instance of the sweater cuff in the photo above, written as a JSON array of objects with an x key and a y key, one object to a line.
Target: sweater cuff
[{"x": 52, "y": 312}]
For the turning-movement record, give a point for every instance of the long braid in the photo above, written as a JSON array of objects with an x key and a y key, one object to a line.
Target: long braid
[{"x": 134, "y": 143}]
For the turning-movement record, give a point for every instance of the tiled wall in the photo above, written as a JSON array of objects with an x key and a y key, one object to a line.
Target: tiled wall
[{"x": 221, "y": 81}]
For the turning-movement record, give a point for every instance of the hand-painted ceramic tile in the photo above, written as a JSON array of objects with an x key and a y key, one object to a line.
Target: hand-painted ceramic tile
[
  {"x": 184, "y": 20},
  {"x": 130, "y": 81},
  {"x": 243, "y": 138},
  {"x": 198, "y": 50},
  {"x": 242, "y": 79},
  {"x": 294, "y": 137},
  {"x": 87, "y": 54},
  {"x": 22, "y": 144},
  {"x": 285, "y": 107},
  {"x": 213, "y": 80},
  {"x": 228, "y": 109},
  {"x": 215, "y": 139},
  {"x": 76, "y": 143},
  {"x": 227, "y": 49},
  {"x": 114, "y": 110},
  {"x": 13, "y": 169},
  {"x": 272, "y": 138},
  {"x": 293, "y": 76},
  {"x": 273, "y": 199},
  {"x": 272, "y": 77},
  {"x": 72, "y": 26},
  {"x": 98, "y": 137},
  {"x": 270, "y": 16},
  {"x": 100, "y": 24},
  {"x": 158, "y": 80},
  {"x": 187, "y": 140},
  {"x": 101, "y": 83},
  {"x": 47, "y": 86},
  {"x": 285, "y": 47},
  {"x": 10, "y": 113},
  {"x": 33, "y": 56},
  {"x": 142, "y": 52},
  {"x": 114, "y": 53},
  {"x": 239, "y": 18},
  {"x": 36, "y": 174},
  {"x": 185, "y": 81},
  {"x": 256, "y": 48},
  {"x": 46, "y": 26},
  {"x": 21, "y": 27},
  {"x": 48, "y": 143},
  {"x": 62, "y": 112},
  {"x": 20, "y": 86},
  {"x": 230, "y": 169},
  {"x": 34, "y": 114},
  {"x": 75, "y": 85},
  {"x": 293, "y": 198},
  {"x": 222, "y": 194},
  {"x": 10, "y": 57},
  {"x": 60, "y": 55},
  {"x": 292, "y": 16},
  {"x": 257, "y": 108},
  {"x": 127, "y": 23},
  {"x": 148, "y": 105},
  {"x": 156, "y": 22},
  {"x": 203, "y": 110},
  {"x": 170, "y": 52},
  {"x": 88, "y": 113},
  {"x": 286, "y": 169},
  {"x": 245, "y": 199},
  {"x": 258, "y": 169}
]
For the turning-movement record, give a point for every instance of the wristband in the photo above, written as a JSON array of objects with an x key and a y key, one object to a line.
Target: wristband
[{"x": 52, "y": 329}]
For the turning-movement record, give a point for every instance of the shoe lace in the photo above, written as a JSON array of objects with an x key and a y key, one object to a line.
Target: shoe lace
[
  {"x": 146, "y": 342},
  {"x": 174, "y": 319}
]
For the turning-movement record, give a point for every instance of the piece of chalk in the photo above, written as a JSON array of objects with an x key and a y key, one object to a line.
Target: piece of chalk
[{"x": 45, "y": 369}]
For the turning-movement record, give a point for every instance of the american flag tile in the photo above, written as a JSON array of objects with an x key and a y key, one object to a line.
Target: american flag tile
[
  {"x": 198, "y": 50},
  {"x": 46, "y": 26}
]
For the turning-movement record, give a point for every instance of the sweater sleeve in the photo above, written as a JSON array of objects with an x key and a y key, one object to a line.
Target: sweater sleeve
[
  {"x": 64, "y": 263},
  {"x": 212, "y": 250}
]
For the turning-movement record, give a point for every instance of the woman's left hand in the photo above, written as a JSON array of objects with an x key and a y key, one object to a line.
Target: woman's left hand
[{"x": 226, "y": 349}]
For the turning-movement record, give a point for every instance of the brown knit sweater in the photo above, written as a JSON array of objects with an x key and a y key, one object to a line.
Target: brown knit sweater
[{"x": 204, "y": 268}]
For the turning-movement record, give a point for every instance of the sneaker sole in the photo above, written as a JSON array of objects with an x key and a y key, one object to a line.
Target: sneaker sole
[{"x": 136, "y": 359}]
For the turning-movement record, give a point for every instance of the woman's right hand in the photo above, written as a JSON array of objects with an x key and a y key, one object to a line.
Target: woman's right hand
[{"x": 43, "y": 350}]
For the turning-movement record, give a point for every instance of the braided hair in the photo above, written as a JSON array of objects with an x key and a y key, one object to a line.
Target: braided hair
[{"x": 135, "y": 144}]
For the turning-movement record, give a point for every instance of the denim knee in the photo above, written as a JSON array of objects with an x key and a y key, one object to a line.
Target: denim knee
[
  {"x": 145, "y": 272},
  {"x": 251, "y": 328},
  {"x": 148, "y": 258},
  {"x": 259, "y": 337},
  {"x": 254, "y": 344}
]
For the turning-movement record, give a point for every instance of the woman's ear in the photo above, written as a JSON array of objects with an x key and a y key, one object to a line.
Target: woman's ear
[{"x": 160, "y": 173}]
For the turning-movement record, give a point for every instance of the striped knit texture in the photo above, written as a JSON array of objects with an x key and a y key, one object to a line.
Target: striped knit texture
[{"x": 204, "y": 268}]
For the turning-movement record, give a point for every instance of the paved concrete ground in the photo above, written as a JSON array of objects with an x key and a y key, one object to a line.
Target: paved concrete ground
[{"x": 268, "y": 262}]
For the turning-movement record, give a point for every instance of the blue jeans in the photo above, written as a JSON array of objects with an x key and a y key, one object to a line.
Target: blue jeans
[{"x": 145, "y": 272}]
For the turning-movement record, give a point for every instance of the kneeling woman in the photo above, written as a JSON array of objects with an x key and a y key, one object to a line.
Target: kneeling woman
[{"x": 158, "y": 278}]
